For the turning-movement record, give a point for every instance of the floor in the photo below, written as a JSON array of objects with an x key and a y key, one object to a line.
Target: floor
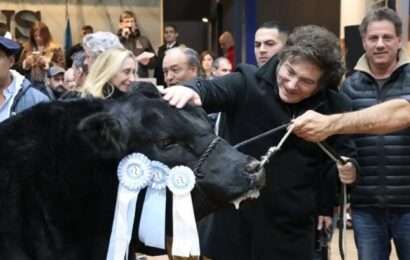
[{"x": 350, "y": 251}]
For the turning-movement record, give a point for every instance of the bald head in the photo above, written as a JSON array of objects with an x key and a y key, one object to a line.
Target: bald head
[
  {"x": 180, "y": 64},
  {"x": 221, "y": 67},
  {"x": 226, "y": 40}
]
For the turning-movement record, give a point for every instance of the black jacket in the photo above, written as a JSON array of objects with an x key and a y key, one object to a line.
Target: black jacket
[
  {"x": 158, "y": 72},
  {"x": 384, "y": 159},
  {"x": 300, "y": 178}
]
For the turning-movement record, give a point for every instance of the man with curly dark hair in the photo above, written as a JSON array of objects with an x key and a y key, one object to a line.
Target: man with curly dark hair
[{"x": 301, "y": 180}]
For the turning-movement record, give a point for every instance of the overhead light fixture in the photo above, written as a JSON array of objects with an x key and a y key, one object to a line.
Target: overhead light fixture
[{"x": 204, "y": 19}]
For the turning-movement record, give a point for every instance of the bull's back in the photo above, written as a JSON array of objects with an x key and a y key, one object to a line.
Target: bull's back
[{"x": 46, "y": 190}]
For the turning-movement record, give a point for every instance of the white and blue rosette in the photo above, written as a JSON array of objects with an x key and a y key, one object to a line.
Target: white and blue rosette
[
  {"x": 152, "y": 224},
  {"x": 185, "y": 241},
  {"x": 134, "y": 174}
]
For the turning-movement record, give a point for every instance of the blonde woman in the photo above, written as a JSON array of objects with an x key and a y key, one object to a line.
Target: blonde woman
[{"x": 111, "y": 74}]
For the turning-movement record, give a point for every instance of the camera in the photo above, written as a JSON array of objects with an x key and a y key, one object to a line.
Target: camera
[{"x": 126, "y": 32}]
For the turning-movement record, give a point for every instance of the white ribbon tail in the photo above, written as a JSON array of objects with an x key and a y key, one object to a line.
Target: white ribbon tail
[
  {"x": 122, "y": 225},
  {"x": 185, "y": 236},
  {"x": 152, "y": 224}
]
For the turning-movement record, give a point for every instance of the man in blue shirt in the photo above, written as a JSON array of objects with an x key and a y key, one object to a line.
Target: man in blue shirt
[{"x": 16, "y": 93}]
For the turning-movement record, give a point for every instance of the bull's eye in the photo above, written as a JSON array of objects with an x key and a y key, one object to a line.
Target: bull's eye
[{"x": 166, "y": 143}]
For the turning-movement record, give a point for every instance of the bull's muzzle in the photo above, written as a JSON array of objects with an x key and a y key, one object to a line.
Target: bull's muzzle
[{"x": 257, "y": 174}]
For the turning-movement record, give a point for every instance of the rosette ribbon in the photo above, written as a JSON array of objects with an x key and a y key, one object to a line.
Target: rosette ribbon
[
  {"x": 185, "y": 241},
  {"x": 151, "y": 230},
  {"x": 134, "y": 174}
]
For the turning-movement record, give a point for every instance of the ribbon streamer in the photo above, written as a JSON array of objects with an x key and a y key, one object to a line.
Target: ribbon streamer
[
  {"x": 151, "y": 230},
  {"x": 134, "y": 174},
  {"x": 185, "y": 236}
]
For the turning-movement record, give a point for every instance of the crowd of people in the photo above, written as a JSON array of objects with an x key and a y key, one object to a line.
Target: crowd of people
[{"x": 298, "y": 81}]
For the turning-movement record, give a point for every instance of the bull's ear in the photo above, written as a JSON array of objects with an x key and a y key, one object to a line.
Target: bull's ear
[{"x": 103, "y": 133}]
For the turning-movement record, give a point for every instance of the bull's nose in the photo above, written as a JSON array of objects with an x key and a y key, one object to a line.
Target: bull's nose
[{"x": 253, "y": 166}]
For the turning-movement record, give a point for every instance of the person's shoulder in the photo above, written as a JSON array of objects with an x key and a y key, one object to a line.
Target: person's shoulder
[
  {"x": 31, "y": 92},
  {"x": 246, "y": 68},
  {"x": 29, "y": 96},
  {"x": 162, "y": 48},
  {"x": 406, "y": 68},
  {"x": 357, "y": 79},
  {"x": 356, "y": 74},
  {"x": 77, "y": 47},
  {"x": 143, "y": 38}
]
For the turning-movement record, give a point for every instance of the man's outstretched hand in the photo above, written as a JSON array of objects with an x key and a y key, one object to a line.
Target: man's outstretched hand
[
  {"x": 179, "y": 96},
  {"x": 313, "y": 126}
]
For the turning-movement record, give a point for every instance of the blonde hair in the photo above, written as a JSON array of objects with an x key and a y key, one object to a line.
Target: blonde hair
[{"x": 103, "y": 70}]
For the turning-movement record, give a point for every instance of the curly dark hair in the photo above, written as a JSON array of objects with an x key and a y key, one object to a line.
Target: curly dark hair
[{"x": 319, "y": 46}]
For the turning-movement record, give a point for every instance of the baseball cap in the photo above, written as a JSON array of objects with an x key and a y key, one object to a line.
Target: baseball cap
[
  {"x": 9, "y": 46},
  {"x": 54, "y": 70}
]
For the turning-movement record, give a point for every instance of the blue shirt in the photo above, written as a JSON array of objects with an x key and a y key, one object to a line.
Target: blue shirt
[{"x": 9, "y": 93}]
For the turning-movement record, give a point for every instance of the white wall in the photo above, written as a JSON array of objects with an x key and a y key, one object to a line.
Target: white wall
[
  {"x": 403, "y": 10},
  {"x": 351, "y": 13}
]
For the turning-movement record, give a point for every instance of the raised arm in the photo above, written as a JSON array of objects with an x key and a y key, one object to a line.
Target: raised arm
[{"x": 214, "y": 95}]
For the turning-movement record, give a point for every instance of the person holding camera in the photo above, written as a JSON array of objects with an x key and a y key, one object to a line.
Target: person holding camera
[
  {"x": 130, "y": 36},
  {"x": 39, "y": 54}
]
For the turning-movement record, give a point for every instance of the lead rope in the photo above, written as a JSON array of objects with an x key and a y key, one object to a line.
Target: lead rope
[
  {"x": 343, "y": 198},
  {"x": 274, "y": 149},
  {"x": 262, "y": 135},
  {"x": 342, "y": 227}
]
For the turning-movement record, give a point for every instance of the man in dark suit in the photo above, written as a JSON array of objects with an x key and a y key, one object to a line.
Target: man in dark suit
[{"x": 170, "y": 41}]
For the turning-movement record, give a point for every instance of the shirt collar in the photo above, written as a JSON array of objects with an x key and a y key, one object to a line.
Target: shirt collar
[
  {"x": 170, "y": 45},
  {"x": 11, "y": 89}
]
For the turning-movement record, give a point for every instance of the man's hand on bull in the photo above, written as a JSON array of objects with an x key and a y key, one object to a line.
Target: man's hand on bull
[
  {"x": 179, "y": 96},
  {"x": 347, "y": 172},
  {"x": 313, "y": 127}
]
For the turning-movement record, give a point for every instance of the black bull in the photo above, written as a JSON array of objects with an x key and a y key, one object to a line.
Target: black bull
[{"x": 58, "y": 165}]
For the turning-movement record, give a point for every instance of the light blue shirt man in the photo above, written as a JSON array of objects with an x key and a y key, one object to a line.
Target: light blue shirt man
[{"x": 9, "y": 95}]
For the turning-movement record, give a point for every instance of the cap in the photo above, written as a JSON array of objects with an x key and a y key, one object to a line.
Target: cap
[
  {"x": 54, "y": 70},
  {"x": 9, "y": 46}
]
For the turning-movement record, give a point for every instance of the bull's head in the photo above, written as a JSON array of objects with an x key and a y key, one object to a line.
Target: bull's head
[{"x": 143, "y": 122}]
